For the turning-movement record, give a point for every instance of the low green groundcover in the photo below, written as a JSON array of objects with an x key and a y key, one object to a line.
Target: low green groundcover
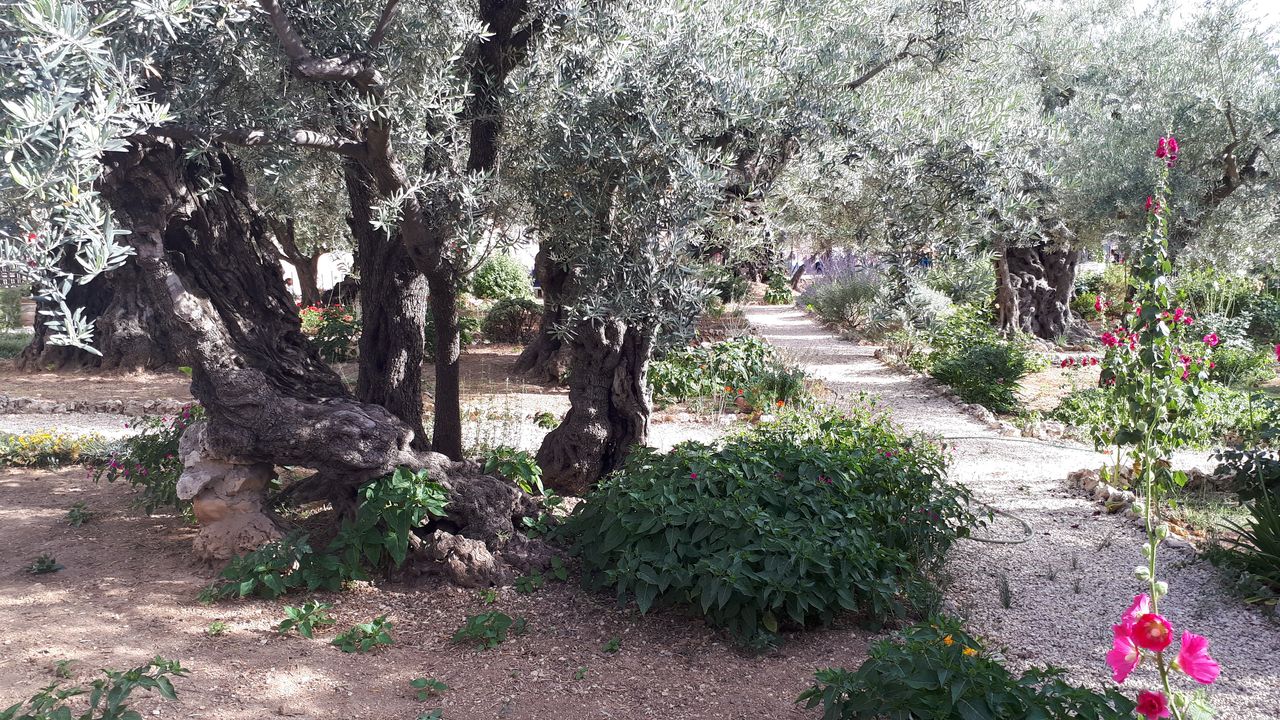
[{"x": 785, "y": 524}]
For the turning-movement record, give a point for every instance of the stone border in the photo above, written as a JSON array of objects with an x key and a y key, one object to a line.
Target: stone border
[{"x": 136, "y": 408}]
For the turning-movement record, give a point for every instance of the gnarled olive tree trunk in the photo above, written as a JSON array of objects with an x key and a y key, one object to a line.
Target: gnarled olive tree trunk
[
  {"x": 543, "y": 359},
  {"x": 610, "y": 406},
  {"x": 210, "y": 272},
  {"x": 126, "y": 329},
  {"x": 1033, "y": 289},
  {"x": 393, "y": 306}
]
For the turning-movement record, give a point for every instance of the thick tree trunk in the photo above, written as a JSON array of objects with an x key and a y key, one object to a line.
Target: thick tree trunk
[
  {"x": 393, "y": 306},
  {"x": 446, "y": 426},
  {"x": 208, "y": 268},
  {"x": 1033, "y": 289},
  {"x": 126, "y": 331},
  {"x": 610, "y": 407},
  {"x": 543, "y": 359}
]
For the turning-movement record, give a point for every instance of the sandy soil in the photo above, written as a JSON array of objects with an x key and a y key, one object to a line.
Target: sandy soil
[{"x": 128, "y": 593}]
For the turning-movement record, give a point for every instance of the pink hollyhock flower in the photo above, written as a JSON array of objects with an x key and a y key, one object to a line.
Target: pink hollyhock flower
[
  {"x": 1173, "y": 146},
  {"x": 693, "y": 476},
  {"x": 1124, "y": 655},
  {"x": 1141, "y": 606},
  {"x": 1152, "y": 705},
  {"x": 1152, "y": 632},
  {"x": 1093, "y": 361},
  {"x": 1178, "y": 314},
  {"x": 1065, "y": 362},
  {"x": 1161, "y": 149},
  {"x": 1193, "y": 658},
  {"x": 1097, "y": 303},
  {"x": 1211, "y": 339},
  {"x": 1110, "y": 340}
]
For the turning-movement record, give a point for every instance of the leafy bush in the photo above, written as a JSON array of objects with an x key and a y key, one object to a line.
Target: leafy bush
[
  {"x": 742, "y": 363},
  {"x": 305, "y": 619},
  {"x": 981, "y": 366},
  {"x": 79, "y": 514},
  {"x": 11, "y": 308},
  {"x": 1242, "y": 367},
  {"x": 13, "y": 343},
  {"x": 390, "y": 509},
  {"x": 365, "y": 637},
  {"x": 728, "y": 285},
  {"x": 107, "y": 697},
  {"x": 779, "y": 290},
  {"x": 1264, "y": 318},
  {"x": 844, "y": 300},
  {"x": 501, "y": 277},
  {"x": 791, "y": 521},
  {"x": 517, "y": 466},
  {"x": 488, "y": 629},
  {"x": 1208, "y": 290},
  {"x": 46, "y": 448},
  {"x": 44, "y": 564},
  {"x": 1085, "y": 305},
  {"x": 149, "y": 461},
  {"x": 513, "y": 320},
  {"x": 938, "y": 672},
  {"x": 1219, "y": 414},
  {"x": 333, "y": 328}
]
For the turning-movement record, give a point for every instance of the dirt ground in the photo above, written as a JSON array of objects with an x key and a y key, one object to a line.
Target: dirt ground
[{"x": 128, "y": 592}]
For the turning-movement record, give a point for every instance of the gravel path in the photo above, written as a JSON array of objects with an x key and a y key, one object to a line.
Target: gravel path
[
  {"x": 1072, "y": 579},
  {"x": 109, "y": 425}
]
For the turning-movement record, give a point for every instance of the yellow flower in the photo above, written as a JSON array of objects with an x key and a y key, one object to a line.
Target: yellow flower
[
  {"x": 970, "y": 651},
  {"x": 948, "y": 641}
]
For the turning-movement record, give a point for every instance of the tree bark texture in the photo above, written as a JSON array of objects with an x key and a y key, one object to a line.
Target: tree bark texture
[
  {"x": 393, "y": 307},
  {"x": 609, "y": 411},
  {"x": 543, "y": 359},
  {"x": 1033, "y": 289},
  {"x": 126, "y": 330}
]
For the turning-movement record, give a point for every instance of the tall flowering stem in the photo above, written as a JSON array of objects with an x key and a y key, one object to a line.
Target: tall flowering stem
[{"x": 1157, "y": 365}]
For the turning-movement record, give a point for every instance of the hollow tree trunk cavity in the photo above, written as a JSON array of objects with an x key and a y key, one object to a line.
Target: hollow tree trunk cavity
[
  {"x": 610, "y": 406},
  {"x": 1033, "y": 289}
]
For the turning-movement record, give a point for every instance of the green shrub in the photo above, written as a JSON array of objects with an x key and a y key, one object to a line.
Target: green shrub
[
  {"x": 13, "y": 343},
  {"x": 704, "y": 370},
  {"x": 518, "y": 466},
  {"x": 1085, "y": 305},
  {"x": 334, "y": 329},
  {"x": 779, "y": 290},
  {"x": 488, "y": 629},
  {"x": 844, "y": 300},
  {"x": 47, "y": 449},
  {"x": 512, "y": 320},
  {"x": 981, "y": 366},
  {"x": 727, "y": 285},
  {"x": 1242, "y": 367},
  {"x": 789, "y": 522},
  {"x": 938, "y": 672},
  {"x": 44, "y": 564},
  {"x": 107, "y": 697},
  {"x": 1220, "y": 414},
  {"x": 149, "y": 461},
  {"x": 1264, "y": 319},
  {"x": 11, "y": 308},
  {"x": 365, "y": 637},
  {"x": 390, "y": 508},
  {"x": 501, "y": 277},
  {"x": 1207, "y": 290}
]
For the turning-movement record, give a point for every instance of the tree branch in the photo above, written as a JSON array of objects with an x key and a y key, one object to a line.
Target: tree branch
[
  {"x": 379, "y": 32},
  {"x": 340, "y": 69},
  {"x": 254, "y": 138}
]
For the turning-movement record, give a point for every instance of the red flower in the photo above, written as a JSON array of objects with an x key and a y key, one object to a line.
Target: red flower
[
  {"x": 1093, "y": 361},
  {"x": 1152, "y": 632},
  {"x": 1110, "y": 340},
  {"x": 1097, "y": 303},
  {"x": 1152, "y": 705},
  {"x": 1161, "y": 150},
  {"x": 1211, "y": 339},
  {"x": 1065, "y": 362},
  {"x": 693, "y": 476}
]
